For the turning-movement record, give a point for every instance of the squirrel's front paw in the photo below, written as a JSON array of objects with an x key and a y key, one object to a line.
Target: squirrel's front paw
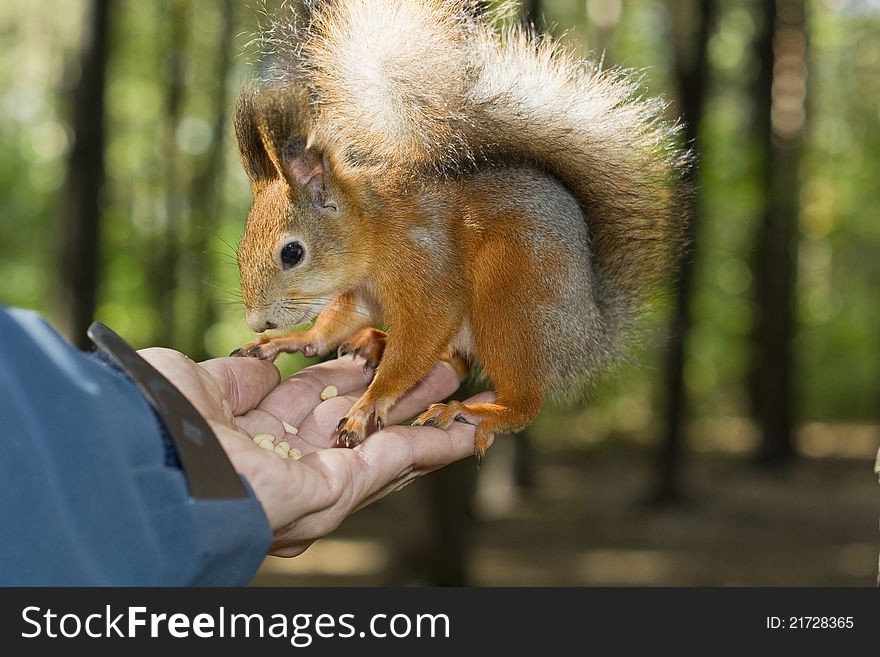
[
  {"x": 268, "y": 348},
  {"x": 364, "y": 416}
]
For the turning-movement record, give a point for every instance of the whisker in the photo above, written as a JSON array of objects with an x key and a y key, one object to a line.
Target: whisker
[
  {"x": 233, "y": 249},
  {"x": 233, "y": 293},
  {"x": 225, "y": 256}
]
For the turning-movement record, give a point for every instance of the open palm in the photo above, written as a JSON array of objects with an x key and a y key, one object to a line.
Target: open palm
[{"x": 307, "y": 498}]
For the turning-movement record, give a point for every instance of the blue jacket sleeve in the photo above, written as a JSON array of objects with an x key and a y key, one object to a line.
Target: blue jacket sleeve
[{"x": 87, "y": 498}]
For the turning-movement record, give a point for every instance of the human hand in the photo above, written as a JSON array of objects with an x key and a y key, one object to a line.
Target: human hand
[{"x": 308, "y": 498}]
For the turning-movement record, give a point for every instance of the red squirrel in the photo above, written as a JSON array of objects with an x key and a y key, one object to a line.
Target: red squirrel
[{"x": 485, "y": 195}]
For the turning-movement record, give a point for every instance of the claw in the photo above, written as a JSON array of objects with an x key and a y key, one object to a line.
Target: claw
[
  {"x": 379, "y": 424},
  {"x": 344, "y": 437},
  {"x": 250, "y": 352},
  {"x": 347, "y": 439},
  {"x": 479, "y": 457}
]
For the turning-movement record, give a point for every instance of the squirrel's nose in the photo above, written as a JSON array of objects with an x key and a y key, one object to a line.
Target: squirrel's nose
[{"x": 257, "y": 323}]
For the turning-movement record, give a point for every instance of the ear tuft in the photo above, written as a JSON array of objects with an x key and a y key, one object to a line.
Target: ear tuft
[
  {"x": 279, "y": 118},
  {"x": 254, "y": 158}
]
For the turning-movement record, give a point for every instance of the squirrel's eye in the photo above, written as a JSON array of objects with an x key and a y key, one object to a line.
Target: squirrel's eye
[{"x": 292, "y": 254}]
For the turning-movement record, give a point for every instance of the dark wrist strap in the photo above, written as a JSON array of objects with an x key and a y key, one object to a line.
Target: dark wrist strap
[{"x": 208, "y": 471}]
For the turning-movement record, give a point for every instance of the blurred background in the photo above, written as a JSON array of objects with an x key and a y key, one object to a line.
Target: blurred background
[{"x": 736, "y": 448}]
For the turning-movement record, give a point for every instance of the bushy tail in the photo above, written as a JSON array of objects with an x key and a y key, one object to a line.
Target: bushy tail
[
  {"x": 593, "y": 131},
  {"x": 409, "y": 86},
  {"x": 389, "y": 79}
]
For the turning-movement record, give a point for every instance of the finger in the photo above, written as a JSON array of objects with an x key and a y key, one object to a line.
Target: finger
[
  {"x": 398, "y": 451},
  {"x": 319, "y": 426},
  {"x": 259, "y": 421},
  {"x": 440, "y": 383},
  {"x": 425, "y": 450},
  {"x": 394, "y": 455},
  {"x": 191, "y": 380},
  {"x": 385, "y": 462},
  {"x": 387, "y": 456},
  {"x": 243, "y": 382},
  {"x": 410, "y": 452},
  {"x": 297, "y": 396}
]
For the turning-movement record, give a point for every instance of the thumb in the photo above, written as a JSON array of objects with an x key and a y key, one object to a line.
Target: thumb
[{"x": 243, "y": 382}]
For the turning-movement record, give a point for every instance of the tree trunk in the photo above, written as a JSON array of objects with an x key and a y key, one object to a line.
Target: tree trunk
[
  {"x": 692, "y": 76},
  {"x": 781, "y": 114},
  {"x": 205, "y": 190},
  {"x": 168, "y": 248},
  {"x": 81, "y": 208},
  {"x": 450, "y": 507}
]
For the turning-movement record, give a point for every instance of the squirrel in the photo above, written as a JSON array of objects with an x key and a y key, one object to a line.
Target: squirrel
[{"x": 485, "y": 194}]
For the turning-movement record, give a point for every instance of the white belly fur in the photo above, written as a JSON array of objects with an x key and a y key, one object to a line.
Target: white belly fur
[{"x": 463, "y": 343}]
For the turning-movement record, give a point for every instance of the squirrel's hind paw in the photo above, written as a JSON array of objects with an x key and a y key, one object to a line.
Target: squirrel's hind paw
[{"x": 443, "y": 415}]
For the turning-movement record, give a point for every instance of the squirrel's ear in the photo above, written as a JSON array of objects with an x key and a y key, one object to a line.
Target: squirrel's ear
[
  {"x": 254, "y": 157},
  {"x": 280, "y": 121},
  {"x": 305, "y": 168}
]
